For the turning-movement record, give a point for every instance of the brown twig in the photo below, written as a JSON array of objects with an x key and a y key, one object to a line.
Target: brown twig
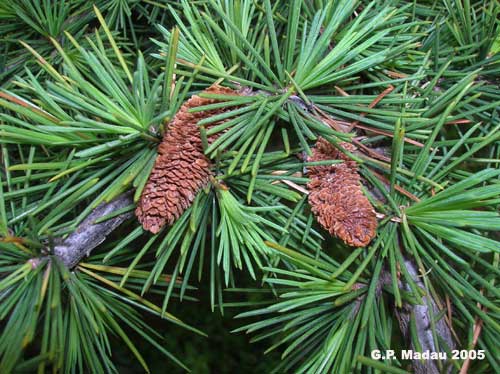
[
  {"x": 390, "y": 135},
  {"x": 377, "y": 100},
  {"x": 478, "y": 327},
  {"x": 396, "y": 187}
]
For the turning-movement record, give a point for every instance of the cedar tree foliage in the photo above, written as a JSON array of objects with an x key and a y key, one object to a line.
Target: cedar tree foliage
[{"x": 341, "y": 156}]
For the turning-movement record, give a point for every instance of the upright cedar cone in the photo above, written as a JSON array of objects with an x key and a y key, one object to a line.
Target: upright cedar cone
[
  {"x": 181, "y": 169},
  {"x": 336, "y": 198}
]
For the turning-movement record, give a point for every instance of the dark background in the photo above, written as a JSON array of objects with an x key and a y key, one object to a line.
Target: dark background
[{"x": 222, "y": 352}]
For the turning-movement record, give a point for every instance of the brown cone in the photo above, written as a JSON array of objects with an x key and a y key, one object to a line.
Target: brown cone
[
  {"x": 181, "y": 169},
  {"x": 336, "y": 198}
]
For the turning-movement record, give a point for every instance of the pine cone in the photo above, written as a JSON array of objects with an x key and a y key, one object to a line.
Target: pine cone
[
  {"x": 336, "y": 198},
  {"x": 181, "y": 169}
]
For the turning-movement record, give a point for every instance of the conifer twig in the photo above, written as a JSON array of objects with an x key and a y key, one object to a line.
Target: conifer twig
[
  {"x": 90, "y": 234},
  {"x": 422, "y": 314}
]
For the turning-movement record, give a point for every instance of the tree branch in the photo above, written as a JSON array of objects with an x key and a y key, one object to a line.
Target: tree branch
[
  {"x": 89, "y": 234},
  {"x": 422, "y": 314}
]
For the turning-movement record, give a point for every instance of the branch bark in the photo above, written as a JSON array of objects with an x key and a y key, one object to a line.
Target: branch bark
[
  {"x": 89, "y": 234},
  {"x": 422, "y": 314}
]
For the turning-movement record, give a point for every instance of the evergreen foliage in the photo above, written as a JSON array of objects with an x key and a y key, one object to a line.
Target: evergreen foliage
[{"x": 86, "y": 92}]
